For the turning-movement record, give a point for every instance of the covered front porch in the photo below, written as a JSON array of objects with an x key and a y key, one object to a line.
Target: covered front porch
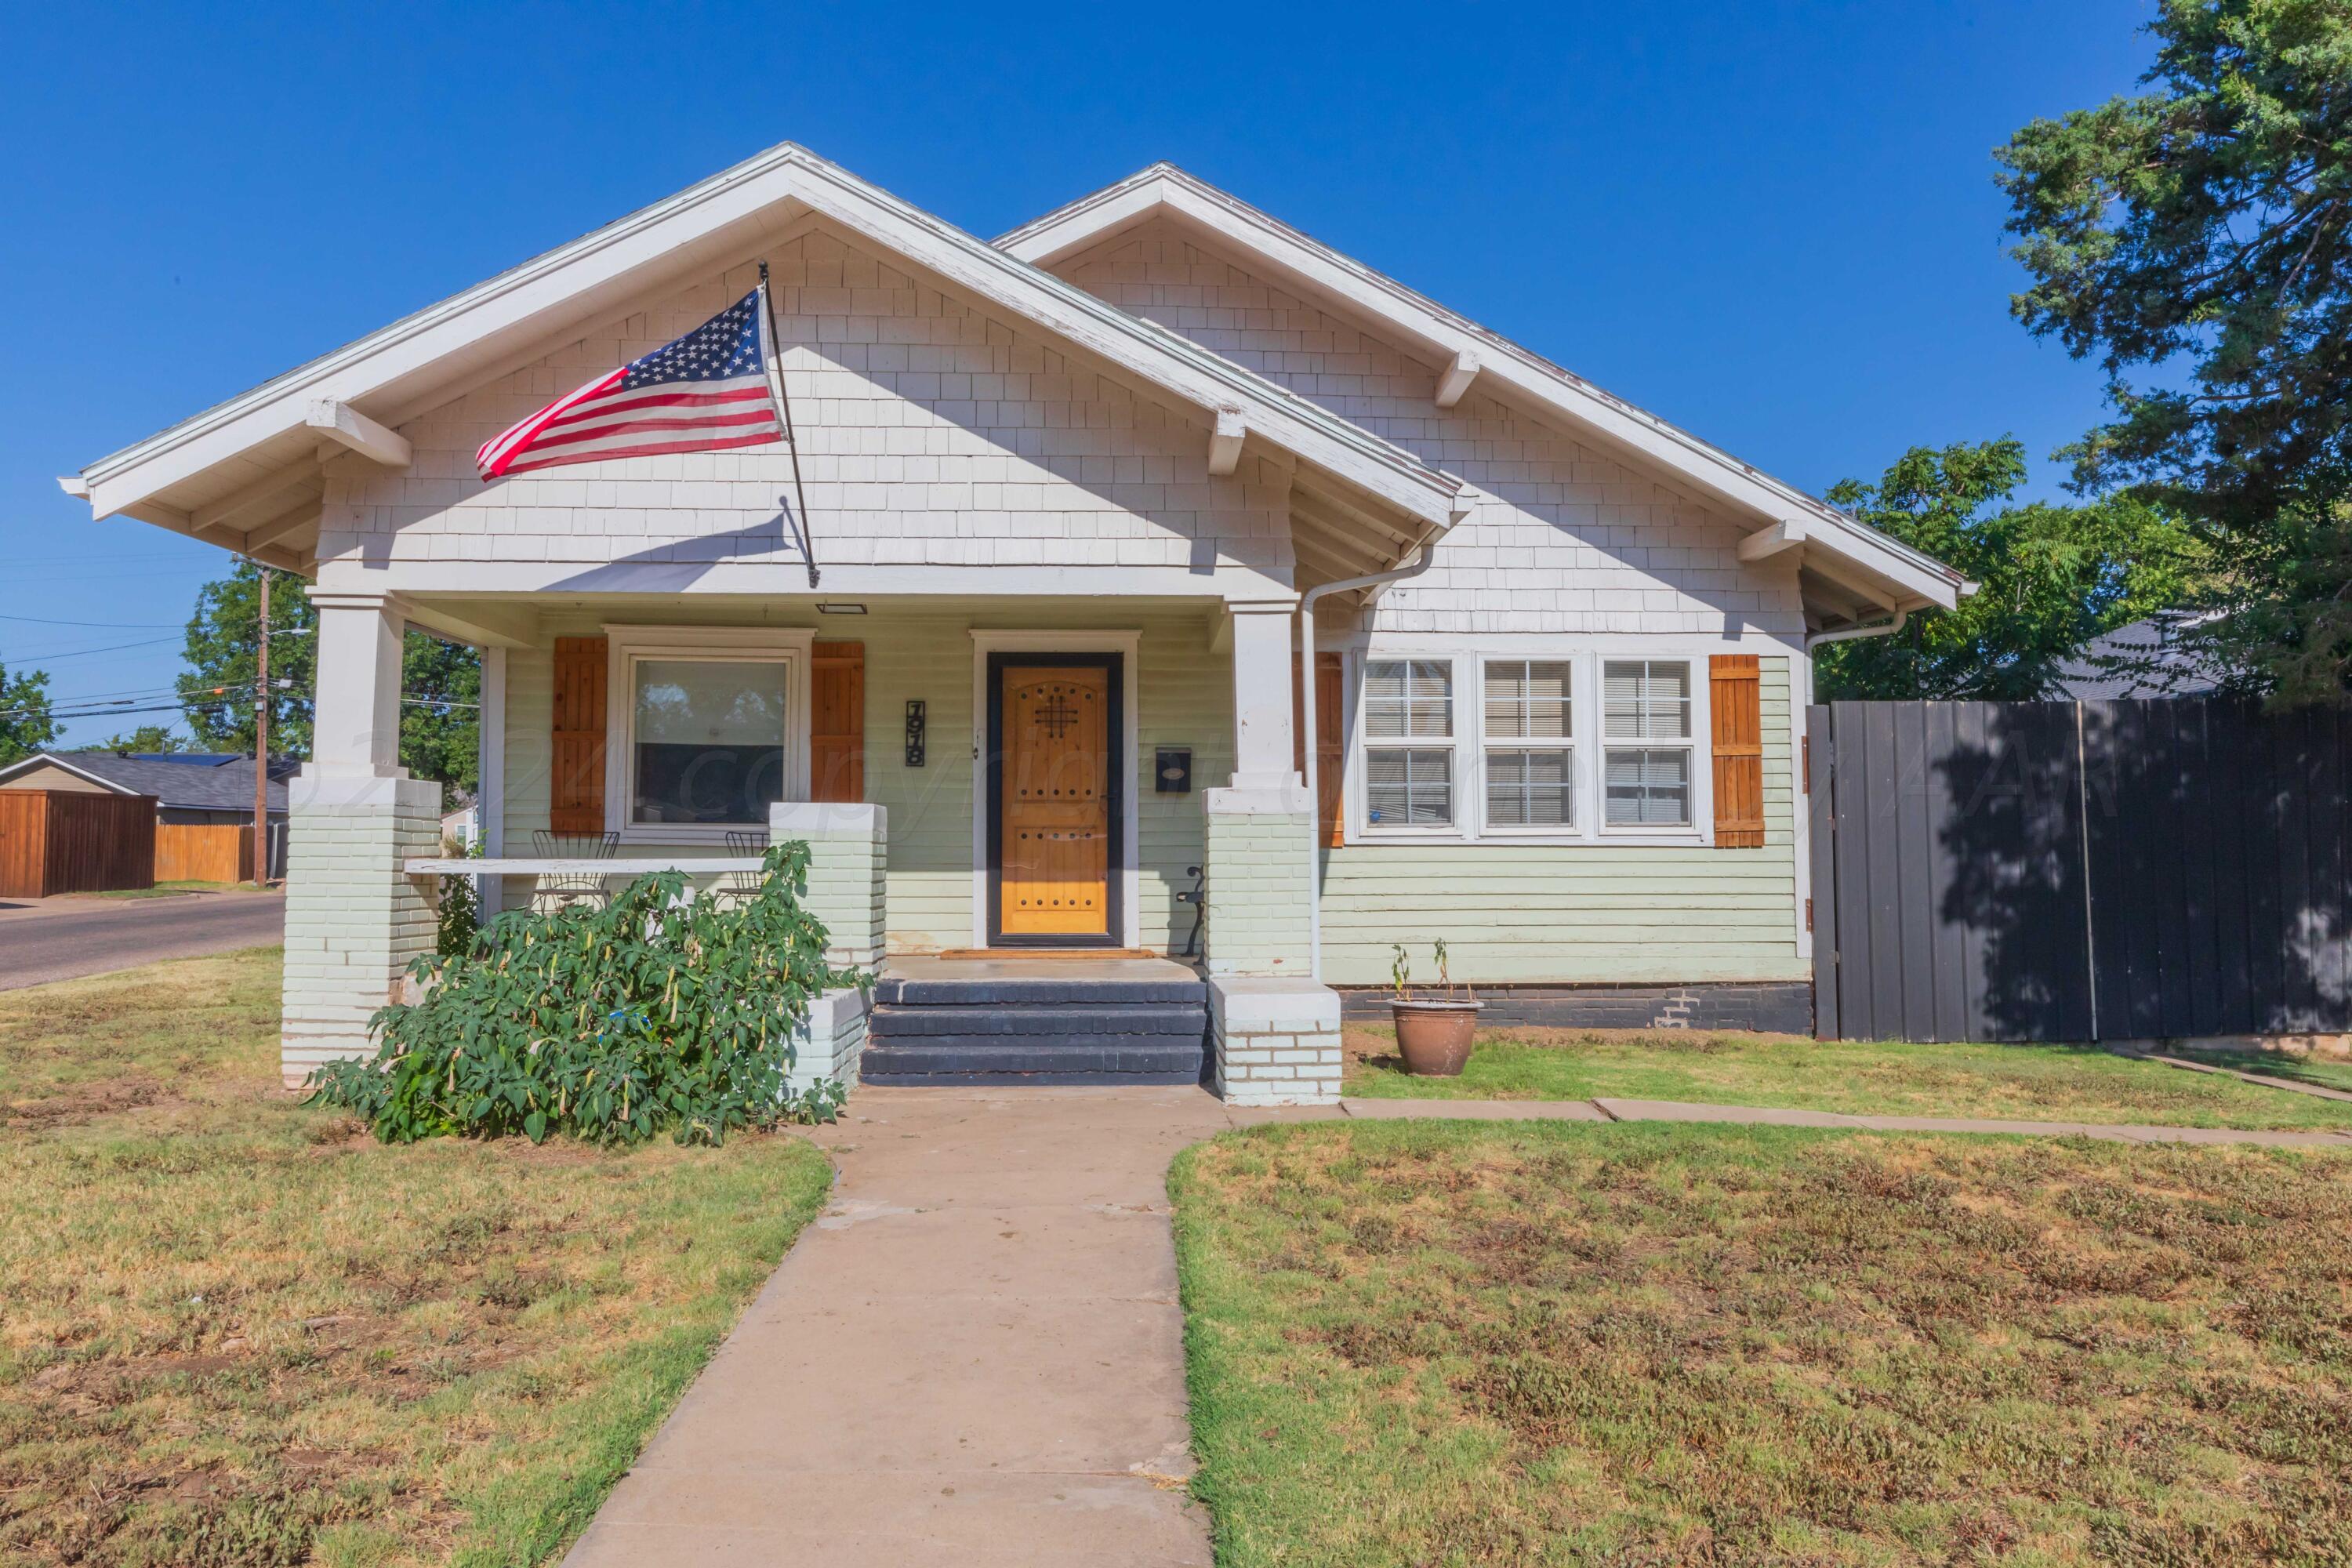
[{"x": 1095, "y": 786}]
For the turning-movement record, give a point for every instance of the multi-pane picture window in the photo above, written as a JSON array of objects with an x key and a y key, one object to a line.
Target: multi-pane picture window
[
  {"x": 1649, "y": 701},
  {"x": 1531, "y": 780},
  {"x": 1409, "y": 743}
]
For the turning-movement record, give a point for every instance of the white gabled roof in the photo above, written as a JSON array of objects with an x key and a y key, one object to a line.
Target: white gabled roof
[
  {"x": 1855, "y": 556},
  {"x": 233, "y": 450}
]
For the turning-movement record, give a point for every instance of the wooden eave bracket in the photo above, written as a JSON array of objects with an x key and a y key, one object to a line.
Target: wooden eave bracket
[
  {"x": 1767, "y": 542},
  {"x": 346, "y": 426},
  {"x": 1455, "y": 379},
  {"x": 1225, "y": 442}
]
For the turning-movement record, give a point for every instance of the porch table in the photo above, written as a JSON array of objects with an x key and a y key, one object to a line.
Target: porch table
[{"x": 619, "y": 866}]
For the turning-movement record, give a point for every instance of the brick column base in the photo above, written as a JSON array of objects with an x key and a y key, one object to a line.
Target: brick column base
[
  {"x": 1258, "y": 845},
  {"x": 848, "y": 856},
  {"x": 1277, "y": 1041},
  {"x": 354, "y": 919}
]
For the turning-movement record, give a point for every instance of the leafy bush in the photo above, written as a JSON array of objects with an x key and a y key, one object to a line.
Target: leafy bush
[
  {"x": 461, "y": 908},
  {"x": 666, "y": 1010}
]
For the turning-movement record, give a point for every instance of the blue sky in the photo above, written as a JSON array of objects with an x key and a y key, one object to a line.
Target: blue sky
[{"x": 1771, "y": 223}]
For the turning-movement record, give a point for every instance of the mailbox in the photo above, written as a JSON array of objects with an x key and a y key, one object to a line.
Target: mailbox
[{"x": 1172, "y": 771}]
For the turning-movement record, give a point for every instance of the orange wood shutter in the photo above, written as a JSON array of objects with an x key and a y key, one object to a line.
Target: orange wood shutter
[
  {"x": 837, "y": 722},
  {"x": 576, "y": 789},
  {"x": 1736, "y": 696},
  {"x": 1330, "y": 755}
]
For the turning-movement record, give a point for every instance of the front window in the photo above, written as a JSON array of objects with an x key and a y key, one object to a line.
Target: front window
[
  {"x": 707, "y": 740},
  {"x": 1531, "y": 778},
  {"x": 1409, "y": 743},
  {"x": 1646, "y": 785}
]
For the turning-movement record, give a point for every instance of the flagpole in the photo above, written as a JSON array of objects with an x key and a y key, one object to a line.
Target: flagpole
[{"x": 773, "y": 360}]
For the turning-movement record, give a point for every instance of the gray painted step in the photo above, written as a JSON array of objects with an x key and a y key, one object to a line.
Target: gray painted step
[
  {"x": 899, "y": 1021},
  {"x": 1164, "y": 1059},
  {"x": 1024, "y": 991}
]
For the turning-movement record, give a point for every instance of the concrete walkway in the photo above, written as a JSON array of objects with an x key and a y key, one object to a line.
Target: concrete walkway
[{"x": 975, "y": 1358}]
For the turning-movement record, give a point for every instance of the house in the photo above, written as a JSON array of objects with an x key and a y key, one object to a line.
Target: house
[
  {"x": 1076, "y": 497},
  {"x": 192, "y": 787},
  {"x": 2144, "y": 659},
  {"x": 192, "y": 791}
]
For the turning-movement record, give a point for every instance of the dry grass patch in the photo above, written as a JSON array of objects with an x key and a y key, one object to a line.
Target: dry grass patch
[
  {"x": 237, "y": 1330},
  {"x": 1861, "y": 1078},
  {"x": 1432, "y": 1343}
]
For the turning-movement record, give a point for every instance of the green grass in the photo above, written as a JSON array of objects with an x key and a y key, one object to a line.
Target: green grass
[
  {"x": 2039, "y": 1083},
  {"x": 2327, "y": 1072},
  {"x": 1418, "y": 1343},
  {"x": 237, "y": 1331}
]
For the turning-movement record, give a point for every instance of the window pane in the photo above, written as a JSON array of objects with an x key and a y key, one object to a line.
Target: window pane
[
  {"x": 1407, "y": 789},
  {"x": 1528, "y": 700},
  {"x": 1648, "y": 789},
  {"x": 708, "y": 738},
  {"x": 1407, "y": 697},
  {"x": 1532, "y": 788},
  {"x": 1646, "y": 699}
]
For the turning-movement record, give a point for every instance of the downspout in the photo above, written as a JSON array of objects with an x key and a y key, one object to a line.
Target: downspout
[{"x": 1308, "y": 750}]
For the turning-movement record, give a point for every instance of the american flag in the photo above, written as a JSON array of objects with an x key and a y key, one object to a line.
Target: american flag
[{"x": 708, "y": 390}]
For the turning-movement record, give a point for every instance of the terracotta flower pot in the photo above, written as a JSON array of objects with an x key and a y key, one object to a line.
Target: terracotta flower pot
[{"x": 1433, "y": 1037}]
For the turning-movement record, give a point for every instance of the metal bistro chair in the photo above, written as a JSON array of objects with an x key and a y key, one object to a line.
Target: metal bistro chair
[
  {"x": 562, "y": 889},
  {"x": 741, "y": 886}
]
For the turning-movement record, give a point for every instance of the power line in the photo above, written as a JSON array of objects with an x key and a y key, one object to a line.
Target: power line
[
  {"x": 54, "y": 656},
  {"x": 115, "y": 626}
]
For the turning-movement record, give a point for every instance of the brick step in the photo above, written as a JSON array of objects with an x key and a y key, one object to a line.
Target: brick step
[
  {"x": 983, "y": 1059},
  {"x": 1090, "y": 1021}
]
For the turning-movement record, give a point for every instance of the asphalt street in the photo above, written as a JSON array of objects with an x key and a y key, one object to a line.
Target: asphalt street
[{"x": 61, "y": 938}]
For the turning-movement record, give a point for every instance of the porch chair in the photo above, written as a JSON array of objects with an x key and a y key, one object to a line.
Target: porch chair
[
  {"x": 560, "y": 890},
  {"x": 738, "y": 887}
]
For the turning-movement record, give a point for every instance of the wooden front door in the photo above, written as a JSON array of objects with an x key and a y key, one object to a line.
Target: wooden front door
[{"x": 1056, "y": 724}]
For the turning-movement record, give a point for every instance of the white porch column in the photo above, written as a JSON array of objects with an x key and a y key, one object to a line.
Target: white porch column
[
  {"x": 1263, "y": 756},
  {"x": 354, "y": 918},
  {"x": 1276, "y": 1030},
  {"x": 848, "y": 856}
]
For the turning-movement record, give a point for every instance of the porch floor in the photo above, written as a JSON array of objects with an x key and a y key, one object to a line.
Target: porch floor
[{"x": 1055, "y": 966}]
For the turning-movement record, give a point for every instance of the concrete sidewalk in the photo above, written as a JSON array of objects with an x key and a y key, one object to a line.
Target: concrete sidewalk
[{"x": 974, "y": 1358}]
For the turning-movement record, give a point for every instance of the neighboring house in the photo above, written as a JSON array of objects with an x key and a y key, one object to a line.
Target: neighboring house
[
  {"x": 189, "y": 787},
  {"x": 2144, "y": 659},
  {"x": 1066, "y": 490},
  {"x": 202, "y": 800}
]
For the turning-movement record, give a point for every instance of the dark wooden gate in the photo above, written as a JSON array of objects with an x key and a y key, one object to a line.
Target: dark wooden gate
[{"x": 2077, "y": 871}]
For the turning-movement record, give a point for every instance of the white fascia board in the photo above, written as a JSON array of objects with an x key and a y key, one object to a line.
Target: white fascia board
[
  {"x": 1503, "y": 368},
  {"x": 713, "y": 224}
]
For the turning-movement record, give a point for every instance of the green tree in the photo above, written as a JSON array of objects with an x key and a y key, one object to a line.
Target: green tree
[
  {"x": 2048, "y": 577},
  {"x": 2197, "y": 240},
  {"x": 440, "y": 681},
  {"x": 26, "y": 726},
  {"x": 146, "y": 738}
]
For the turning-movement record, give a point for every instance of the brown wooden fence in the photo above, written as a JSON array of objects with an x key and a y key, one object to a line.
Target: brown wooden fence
[
  {"x": 204, "y": 852},
  {"x": 67, "y": 841}
]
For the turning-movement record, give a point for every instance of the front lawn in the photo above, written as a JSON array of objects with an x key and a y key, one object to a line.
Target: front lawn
[
  {"x": 1861, "y": 1078},
  {"x": 1418, "y": 1343},
  {"x": 238, "y": 1331}
]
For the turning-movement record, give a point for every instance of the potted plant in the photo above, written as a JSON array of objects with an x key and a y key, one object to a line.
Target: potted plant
[{"x": 1434, "y": 1033}]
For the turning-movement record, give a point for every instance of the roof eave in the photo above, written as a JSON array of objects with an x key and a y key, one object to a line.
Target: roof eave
[
  {"x": 1752, "y": 493},
  {"x": 530, "y": 303}
]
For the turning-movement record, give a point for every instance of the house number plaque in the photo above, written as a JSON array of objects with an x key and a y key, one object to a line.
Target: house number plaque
[{"x": 915, "y": 733}]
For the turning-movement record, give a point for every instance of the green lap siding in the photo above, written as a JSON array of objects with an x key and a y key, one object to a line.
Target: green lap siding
[{"x": 1581, "y": 913}]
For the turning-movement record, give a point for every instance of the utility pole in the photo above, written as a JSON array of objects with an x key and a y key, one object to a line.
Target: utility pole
[{"x": 261, "y": 740}]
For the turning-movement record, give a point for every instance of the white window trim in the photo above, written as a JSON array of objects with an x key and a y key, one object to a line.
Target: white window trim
[
  {"x": 1586, "y": 656},
  {"x": 625, "y": 646},
  {"x": 1701, "y": 827},
  {"x": 1580, "y": 804},
  {"x": 1359, "y": 755}
]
